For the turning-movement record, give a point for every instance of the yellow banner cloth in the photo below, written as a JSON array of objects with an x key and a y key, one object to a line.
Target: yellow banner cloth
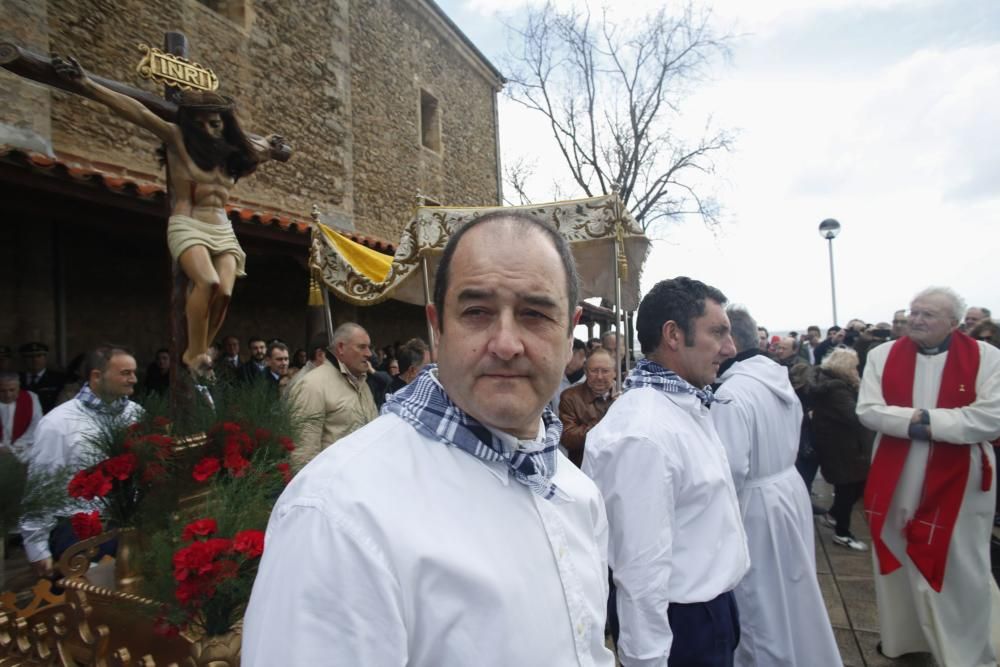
[{"x": 370, "y": 263}]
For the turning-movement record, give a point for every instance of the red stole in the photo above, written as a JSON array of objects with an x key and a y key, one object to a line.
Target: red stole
[
  {"x": 928, "y": 533},
  {"x": 23, "y": 412}
]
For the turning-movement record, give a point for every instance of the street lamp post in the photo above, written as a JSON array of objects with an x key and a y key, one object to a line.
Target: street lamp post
[{"x": 829, "y": 229}]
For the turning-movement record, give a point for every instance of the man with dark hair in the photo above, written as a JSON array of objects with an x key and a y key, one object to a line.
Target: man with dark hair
[
  {"x": 834, "y": 337},
  {"x": 38, "y": 377},
  {"x": 208, "y": 153},
  {"x": 450, "y": 531},
  {"x": 413, "y": 356},
  {"x": 763, "y": 338},
  {"x": 277, "y": 365},
  {"x": 316, "y": 356},
  {"x": 573, "y": 374},
  {"x": 677, "y": 545},
  {"x": 157, "y": 380},
  {"x": 255, "y": 367},
  {"x": 900, "y": 324},
  {"x": 783, "y": 619},
  {"x": 62, "y": 439},
  {"x": 593, "y": 344}
]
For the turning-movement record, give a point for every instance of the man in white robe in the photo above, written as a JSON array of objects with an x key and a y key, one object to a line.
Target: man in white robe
[
  {"x": 783, "y": 619},
  {"x": 20, "y": 412},
  {"x": 945, "y": 602}
]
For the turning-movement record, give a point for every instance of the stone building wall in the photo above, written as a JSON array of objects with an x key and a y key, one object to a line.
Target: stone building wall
[
  {"x": 286, "y": 64},
  {"x": 397, "y": 49}
]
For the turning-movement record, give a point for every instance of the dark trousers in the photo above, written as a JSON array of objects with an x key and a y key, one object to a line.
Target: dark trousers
[
  {"x": 63, "y": 537},
  {"x": 844, "y": 497},
  {"x": 705, "y": 633}
]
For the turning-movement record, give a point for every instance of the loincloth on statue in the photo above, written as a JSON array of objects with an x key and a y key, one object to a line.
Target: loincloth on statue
[{"x": 184, "y": 232}]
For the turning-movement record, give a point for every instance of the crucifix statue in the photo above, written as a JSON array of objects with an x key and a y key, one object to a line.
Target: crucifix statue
[{"x": 207, "y": 153}]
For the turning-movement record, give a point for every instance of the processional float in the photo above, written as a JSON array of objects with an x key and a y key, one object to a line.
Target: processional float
[{"x": 608, "y": 245}]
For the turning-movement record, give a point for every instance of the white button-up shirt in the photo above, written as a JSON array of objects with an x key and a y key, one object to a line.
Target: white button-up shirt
[
  {"x": 394, "y": 549},
  {"x": 61, "y": 441},
  {"x": 675, "y": 528}
]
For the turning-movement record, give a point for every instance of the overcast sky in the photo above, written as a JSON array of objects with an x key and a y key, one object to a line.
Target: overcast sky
[{"x": 884, "y": 114}]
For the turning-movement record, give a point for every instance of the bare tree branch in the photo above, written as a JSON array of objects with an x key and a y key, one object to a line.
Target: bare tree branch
[{"x": 611, "y": 93}]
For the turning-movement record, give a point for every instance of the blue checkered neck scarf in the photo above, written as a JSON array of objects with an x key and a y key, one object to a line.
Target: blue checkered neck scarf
[
  {"x": 650, "y": 374},
  {"x": 94, "y": 403},
  {"x": 425, "y": 406}
]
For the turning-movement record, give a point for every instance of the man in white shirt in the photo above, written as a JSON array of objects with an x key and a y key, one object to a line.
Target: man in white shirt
[
  {"x": 783, "y": 619},
  {"x": 61, "y": 441},
  {"x": 677, "y": 546},
  {"x": 933, "y": 396},
  {"x": 450, "y": 531},
  {"x": 20, "y": 412}
]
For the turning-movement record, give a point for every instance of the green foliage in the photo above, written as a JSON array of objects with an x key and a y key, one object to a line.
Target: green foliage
[{"x": 28, "y": 496}]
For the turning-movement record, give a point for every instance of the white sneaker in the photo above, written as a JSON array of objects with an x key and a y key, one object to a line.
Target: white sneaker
[{"x": 850, "y": 542}]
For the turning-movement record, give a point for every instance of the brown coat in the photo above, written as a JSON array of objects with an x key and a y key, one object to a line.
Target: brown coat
[
  {"x": 843, "y": 445},
  {"x": 579, "y": 411}
]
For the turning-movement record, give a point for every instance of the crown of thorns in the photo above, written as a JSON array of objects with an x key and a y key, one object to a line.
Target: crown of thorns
[{"x": 203, "y": 100}]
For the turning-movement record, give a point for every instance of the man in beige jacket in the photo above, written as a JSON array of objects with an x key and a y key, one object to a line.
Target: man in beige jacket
[{"x": 334, "y": 397}]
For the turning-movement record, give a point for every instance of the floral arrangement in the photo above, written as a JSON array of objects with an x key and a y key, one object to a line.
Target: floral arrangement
[
  {"x": 233, "y": 446},
  {"x": 130, "y": 461},
  {"x": 213, "y": 577}
]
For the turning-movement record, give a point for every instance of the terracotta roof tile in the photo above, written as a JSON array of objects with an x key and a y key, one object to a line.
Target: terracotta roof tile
[{"x": 121, "y": 180}]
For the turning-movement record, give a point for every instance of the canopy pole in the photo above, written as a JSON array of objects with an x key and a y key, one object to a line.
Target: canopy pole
[
  {"x": 327, "y": 315},
  {"x": 620, "y": 340},
  {"x": 427, "y": 300}
]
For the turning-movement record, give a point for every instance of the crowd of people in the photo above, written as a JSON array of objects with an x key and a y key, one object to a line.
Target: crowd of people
[{"x": 512, "y": 504}]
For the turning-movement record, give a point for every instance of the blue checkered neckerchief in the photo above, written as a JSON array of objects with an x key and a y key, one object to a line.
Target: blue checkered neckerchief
[
  {"x": 425, "y": 406},
  {"x": 94, "y": 403},
  {"x": 650, "y": 374}
]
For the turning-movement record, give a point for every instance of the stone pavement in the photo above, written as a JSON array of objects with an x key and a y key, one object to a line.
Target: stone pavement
[{"x": 847, "y": 581}]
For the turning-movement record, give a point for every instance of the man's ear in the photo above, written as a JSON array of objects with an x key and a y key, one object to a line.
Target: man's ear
[
  {"x": 577, "y": 313},
  {"x": 672, "y": 335},
  {"x": 432, "y": 317}
]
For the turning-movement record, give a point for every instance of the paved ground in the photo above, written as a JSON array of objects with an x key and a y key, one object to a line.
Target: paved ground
[{"x": 846, "y": 579}]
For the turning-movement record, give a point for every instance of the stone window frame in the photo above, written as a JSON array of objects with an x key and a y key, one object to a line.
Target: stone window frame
[{"x": 429, "y": 121}]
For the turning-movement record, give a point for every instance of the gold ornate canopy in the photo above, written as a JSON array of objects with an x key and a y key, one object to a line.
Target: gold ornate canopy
[{"x": 363, "y": 277}]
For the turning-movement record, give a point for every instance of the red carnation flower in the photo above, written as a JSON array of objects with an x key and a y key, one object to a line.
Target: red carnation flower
[
  {"x": 286, "y": 442},
  {"x": 206, "y": 468},
  {"x": 199, "y": 528},
  {"x": 120, "y": 467},
  {"x": 134, "y": 428},
  {"x": 231, "y": 427},
  {"x": 86, "y": 524},
  {"x": 285, "y": 471},
  {"x": 261, "y": 434},
  {"x": 250, "y": 543},
  {"x": 234, "y": 461},
  {"x": 78, "y": 485},
  {"x": 89, "y": 485},
  {"x": 161, "y": 421}
]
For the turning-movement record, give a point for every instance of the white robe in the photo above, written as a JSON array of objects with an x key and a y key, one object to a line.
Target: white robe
[
  {"x": 955, "y": 624},
  {"x": 21, "y": 448},
  {"x": 783, "y": 618}
]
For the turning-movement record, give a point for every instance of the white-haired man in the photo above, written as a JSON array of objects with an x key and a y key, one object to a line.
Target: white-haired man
[
  {"x": 934, "y": 399},
  {"x": 335, "y": 398},
  {"x": 783, "y": 619}
]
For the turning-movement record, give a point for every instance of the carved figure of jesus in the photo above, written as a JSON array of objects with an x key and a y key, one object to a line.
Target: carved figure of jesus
[{"x": 208, "y": 153}]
